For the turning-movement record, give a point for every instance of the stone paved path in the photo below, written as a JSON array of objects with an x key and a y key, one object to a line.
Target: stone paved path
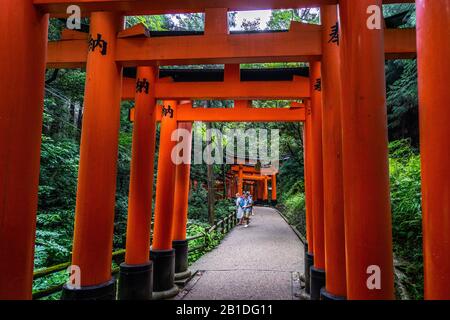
[{"x": 261, "y": 262}]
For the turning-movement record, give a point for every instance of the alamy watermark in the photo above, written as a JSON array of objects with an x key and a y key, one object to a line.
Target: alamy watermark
[
  {"x": 231, "y": 146},
  {"x": 74, "y": 282},
  {"x": 375, "y": 19},
  {"x": 374, "y": 280},
  {"x": 74, "y": 19}
]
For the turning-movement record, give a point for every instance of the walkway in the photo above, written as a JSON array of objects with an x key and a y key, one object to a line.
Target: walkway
[{"x": 261, "y": 262}]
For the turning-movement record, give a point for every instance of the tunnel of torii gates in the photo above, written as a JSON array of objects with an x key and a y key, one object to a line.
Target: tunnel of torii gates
[
  {"x": 344, "y": 109},
  {"x": 253, "y": 178}
]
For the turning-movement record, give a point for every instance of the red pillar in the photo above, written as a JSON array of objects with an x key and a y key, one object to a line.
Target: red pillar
[
  {"x": 136, "y": 273},
  {"x": 141, "y": 176},
  {"x": 368, "y": 229},
  {"x": 162, "y": 254},
  {"x": 266, "y": 190},
  {"x": 165, "y": 186},
  {"x": 307, "y": 156},
  {"x": 318, "y": 270},
  {"x": 23, "y": 48},
  {"x": 261, "y": 190},
  {"x": 274, "y": 189},
  {"x": 94, "y": 215},
  {"x": 240, "y": 180},
  {"x": 433, "y": 28},
  {"x": 231, "y": 186},
  {"x": 180, "y": 210},
  {"x": 307, "y": 153},
  {"x": 333, "y": 195}
]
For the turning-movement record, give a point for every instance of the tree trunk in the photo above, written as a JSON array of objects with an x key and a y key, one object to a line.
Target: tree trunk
[
  {"x": 210, "y": 179},
  {"x": 224, "y": 179},
  {"x": 79, "y": 120}
]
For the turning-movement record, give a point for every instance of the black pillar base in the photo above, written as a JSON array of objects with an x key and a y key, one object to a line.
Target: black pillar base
[
  {"x": 136, "y": 282},
  {"x": 317, "y": 282},
  {"x": 326, "y": 296},
  {"x": 274, "y": 202},
  {"x": 163, "y": 274},
  {"x": 105, "y": 291},
  {"x": 181, "y": 259},
  {"x": 309, "y": 262}
]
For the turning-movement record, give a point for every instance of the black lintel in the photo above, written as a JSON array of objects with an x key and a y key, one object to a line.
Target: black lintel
[{"x": 217, "y": 75}]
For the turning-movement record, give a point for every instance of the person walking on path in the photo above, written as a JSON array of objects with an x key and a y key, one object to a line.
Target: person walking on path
[
  {"x": 239, "y": 208},
  {"x": 250, "y": 200},
  {"x": 247, "y": 208}
]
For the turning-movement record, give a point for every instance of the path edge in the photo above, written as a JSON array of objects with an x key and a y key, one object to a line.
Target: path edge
[{"x": 294, "y": 228}]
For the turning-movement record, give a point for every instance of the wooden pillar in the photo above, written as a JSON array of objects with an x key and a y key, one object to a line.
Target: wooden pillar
[
  {"x": 265, "y": 190},
  {"x": 137, "y": 269},
  {"x": 368, "y": 230},
  {"x": 307, "y": 157},
  {"x": 94, "y": 215},
  {"x": 180, "y": 209},
  {"x": 182, "y": 189},
  {"x": 23, "y": 48},
  {"x": 433, "y": 28},
  {"x": 333, "y": 194},
  {"x": 317, "y": 165},
  {"x": 227, "y": 187},
  {"x": 231, "y": 184},
  {"x": 240, "y": 180},
  {"x": 231, "y": 187},
  {"x": 162, "y": 254},
  {"x": 261, "y": 190},
  {"x": 274, "y": 189},
  {"x": 318, "y": 270},
  {"x": 216, "y": 21},
  {"x": 307, "y": 140},
  {"x": 141, "y": 176}
]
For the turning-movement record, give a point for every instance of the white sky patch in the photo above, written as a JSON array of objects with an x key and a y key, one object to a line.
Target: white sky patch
[{"x": 264, "y": 16}]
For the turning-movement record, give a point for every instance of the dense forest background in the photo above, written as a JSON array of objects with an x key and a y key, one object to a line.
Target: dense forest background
[{"x": 63, "y": 113}]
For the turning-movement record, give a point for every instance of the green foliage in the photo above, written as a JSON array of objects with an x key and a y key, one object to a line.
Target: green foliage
[
  {"x": 402, "y": 99},
  {"x": 295, "y": 210},
  {"x": 59, "y": 171},
  {"x": 198, "y": 204},
  {"x": 223, "y": 208},
  {"x": 209, "y": 240},
  {"x": 289, "y": 184},
  {"x": 49, "y": 281},
  {"x": 407, "y": 212},
  {"x": 57, "y": 189},
  {"x": 154, "y": 23},
  {"x": 281, "y": 19}
]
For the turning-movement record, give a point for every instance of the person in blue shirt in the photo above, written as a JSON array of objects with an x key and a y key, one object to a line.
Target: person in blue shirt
[
  {"x": 250, "y": 200},
  {"x": 247, "y": 205},
  {"x": 239, "y": 208}
]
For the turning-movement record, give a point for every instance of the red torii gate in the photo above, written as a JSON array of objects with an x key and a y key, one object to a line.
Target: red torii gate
[
  {"x": 360, "y": 165},
  {"x": 239, "y": 175}
]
